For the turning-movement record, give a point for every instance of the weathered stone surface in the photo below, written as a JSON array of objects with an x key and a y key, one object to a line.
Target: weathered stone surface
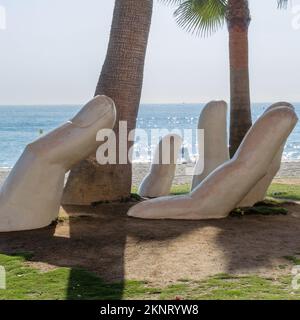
[
  {"x": 159, "y": 180},
  {"x": 217, "y": 195},
  {"x": 259, "y": 191},
  {"x": 30, "y": 197},
  {"x": 213, "y": 122}
]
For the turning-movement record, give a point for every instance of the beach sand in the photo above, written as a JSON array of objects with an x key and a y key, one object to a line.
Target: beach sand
[{"x": 289, "y": 173}]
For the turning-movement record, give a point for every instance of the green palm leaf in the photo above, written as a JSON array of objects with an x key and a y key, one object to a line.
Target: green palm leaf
[{"x": 202, "y": 17}]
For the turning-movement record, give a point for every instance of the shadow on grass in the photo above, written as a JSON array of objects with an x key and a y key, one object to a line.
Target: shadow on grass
[
  {"x": 90, "y": 248},
  {"x": 26, "y": 282}
]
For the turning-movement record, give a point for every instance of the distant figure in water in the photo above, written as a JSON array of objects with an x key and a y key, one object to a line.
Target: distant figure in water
[
  {"x": 41, "y": 131},
  {"x": 185, "y": 155}
]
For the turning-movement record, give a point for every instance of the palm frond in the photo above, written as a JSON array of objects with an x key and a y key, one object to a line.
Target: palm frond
[
  {"x": 282, "y": 4},
  {"x": 202, "y": 17}
]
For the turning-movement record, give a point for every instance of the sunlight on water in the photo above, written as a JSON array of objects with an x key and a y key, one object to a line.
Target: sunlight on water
[{"x": 20, "y": 125}]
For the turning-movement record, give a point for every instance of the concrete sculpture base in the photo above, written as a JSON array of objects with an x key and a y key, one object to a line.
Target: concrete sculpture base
[
  {"x": 217, "y": 195},
  {"x": 159, "y": 180},
  {"x": 259, "y": 191},
  {"x": 30, "y": 197},
  {"x": 213, "y": 120}
]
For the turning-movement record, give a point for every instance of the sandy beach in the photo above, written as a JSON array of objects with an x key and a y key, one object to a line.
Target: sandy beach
[{"x": 289, "y": 171}]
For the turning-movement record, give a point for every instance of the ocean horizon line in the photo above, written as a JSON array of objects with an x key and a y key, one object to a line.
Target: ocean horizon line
[{"x": 141, "y": 104}]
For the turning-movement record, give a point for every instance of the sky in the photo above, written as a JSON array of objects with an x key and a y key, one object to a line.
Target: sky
[{"x": 52, "y": 51}]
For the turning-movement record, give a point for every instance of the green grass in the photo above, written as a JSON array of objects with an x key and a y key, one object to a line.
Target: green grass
[
  {"x": 271, "y": 206},
  {"x": 261, "y": 209},
  {"x": 24, "y": 282},
  {"x": 276, "y": 190},
  {"x": 224, "y": 286},
  {"x": 284, "y": 191},
  {"x": 181, "y": 189},
  {"x": 177, "y": 189},
  {"x": 293, "y": 259}
]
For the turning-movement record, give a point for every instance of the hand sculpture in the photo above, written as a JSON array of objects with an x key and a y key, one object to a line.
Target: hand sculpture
[
  {"x": 217, "y": 195},
  {"x": 30, "y": 197},
  {"x": 259, "y": 191},
  {"x": 159, "y": 180},
  {"x": 213, "y": 120}
]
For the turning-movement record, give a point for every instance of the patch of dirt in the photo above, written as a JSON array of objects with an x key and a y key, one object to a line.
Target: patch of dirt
[
  {"x": 104, "y": 240},
  {"x": 41, "y": 266}
]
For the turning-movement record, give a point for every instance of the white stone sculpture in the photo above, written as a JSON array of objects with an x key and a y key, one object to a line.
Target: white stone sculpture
[
  {"x": 159, "y": 180},
  {"x": 30, "y": 197},
  {"x": 259, "y": 191},
  {"x": 217, "y": 195},
  {"x": 213, "y": 123}
]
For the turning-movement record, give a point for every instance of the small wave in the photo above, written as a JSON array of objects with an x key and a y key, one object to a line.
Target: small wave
[{"x": 5, "y": 168}]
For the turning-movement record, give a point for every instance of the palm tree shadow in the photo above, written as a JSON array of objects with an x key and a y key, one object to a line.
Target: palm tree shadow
[
  {"x": 88, "y": 242},
  {"x": 249, "y": 244},
  {"x": 96, "y": 239}
]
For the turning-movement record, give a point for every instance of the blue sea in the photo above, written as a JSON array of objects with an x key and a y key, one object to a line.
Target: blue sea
[{"x": 20, "y": 125}]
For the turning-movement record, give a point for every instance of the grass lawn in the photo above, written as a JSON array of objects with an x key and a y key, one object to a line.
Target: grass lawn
[
  {"x": 285, "y": 191},
  {"x": 276, "y": 190},
  {"x": 24, "y": 282}
]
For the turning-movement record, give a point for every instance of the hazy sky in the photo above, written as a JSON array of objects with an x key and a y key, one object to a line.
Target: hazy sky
[{"x": 52, "y": 52}]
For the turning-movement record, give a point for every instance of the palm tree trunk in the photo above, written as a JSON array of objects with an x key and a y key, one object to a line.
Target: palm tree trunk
[
  {"x": 238, "y": 20},
  {"x": 121, "y": 79}
]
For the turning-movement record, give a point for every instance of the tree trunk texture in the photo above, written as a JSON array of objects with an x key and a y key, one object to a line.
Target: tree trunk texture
[
  {"x": 238, "y": 20},
  {"x": 121, "y": 79}
]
